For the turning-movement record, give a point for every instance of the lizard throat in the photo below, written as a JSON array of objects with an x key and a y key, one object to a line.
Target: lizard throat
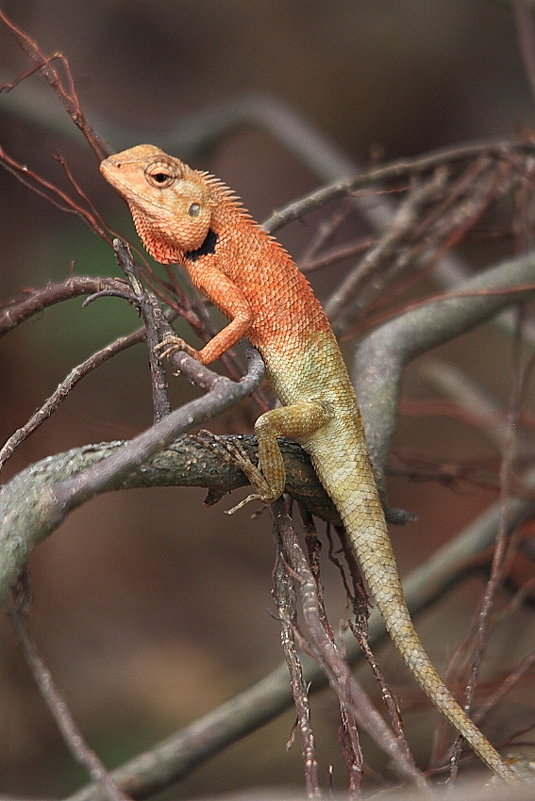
[{"x": 208, "y": 246}]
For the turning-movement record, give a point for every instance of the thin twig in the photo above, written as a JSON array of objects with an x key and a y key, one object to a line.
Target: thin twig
[
  {"x": 496, "y": 572},
  {"x": 65, "y": 89},
  {"x": 326, "y": 652},
  {"x": 335, "y": 254},
  {"x": 284, "y": 594},
  {"x": 21, "y": 310},
  {"x": 55, "y": 702},
  {"x": 348, "y": 739},
  {"x": 525, "y": 666},
  {"x": 64, "y": 388},
  {"x": 52, "y": 193},
  {"x": 498, "y": 149},
  {"x": 359, "y": 627},
  {"x": 152, "y": 315},
  {"x": 402, "y": 224},
  {"x": 35, "y": 300},
  {"x": 324, "y": 233}
]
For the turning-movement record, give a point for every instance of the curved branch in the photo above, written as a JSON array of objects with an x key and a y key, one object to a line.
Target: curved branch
[
  {"x": 179, "y": 754},
  {"x": 35, "y": 300},
  {"x": 36, "y": 501},
  {"x": 496, "y": 149},
  {"x": 382, "y": 356}
]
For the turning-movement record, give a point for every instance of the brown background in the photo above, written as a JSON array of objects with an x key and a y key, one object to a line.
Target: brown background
[{"x": 148, "y": 608}]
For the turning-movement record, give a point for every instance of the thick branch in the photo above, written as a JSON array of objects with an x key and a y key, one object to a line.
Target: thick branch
[
  {"x": 29, "y": 504},
  {"x": 45, "y": 496},
  {"x": 180, "y": 753},
  {"x": 382, "y": 356}
]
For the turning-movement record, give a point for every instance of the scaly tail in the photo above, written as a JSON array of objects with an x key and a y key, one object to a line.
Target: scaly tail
[
  {"x": 377, "y": 560},
  {"x": 351, "y": 486}
]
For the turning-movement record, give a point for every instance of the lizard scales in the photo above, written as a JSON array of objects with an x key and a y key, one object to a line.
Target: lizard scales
[{"x": 188, "y": 217}]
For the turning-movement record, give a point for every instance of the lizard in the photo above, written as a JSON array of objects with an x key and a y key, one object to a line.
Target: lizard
[{"x": 191, "y": 218}]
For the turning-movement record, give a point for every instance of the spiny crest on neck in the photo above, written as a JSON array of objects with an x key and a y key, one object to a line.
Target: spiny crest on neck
[
  {"x": 224, "y": 198},
  {"x": 224, "y": 193}
]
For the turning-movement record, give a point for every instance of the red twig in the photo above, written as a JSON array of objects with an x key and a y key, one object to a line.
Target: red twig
[{"x": 64, "y": 87}]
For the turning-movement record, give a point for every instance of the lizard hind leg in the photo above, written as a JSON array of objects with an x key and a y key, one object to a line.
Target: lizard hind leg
[{"x": 298, "y": 421}]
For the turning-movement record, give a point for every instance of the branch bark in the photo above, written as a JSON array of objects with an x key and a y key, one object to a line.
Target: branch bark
[{"x": 382, "y": 356}]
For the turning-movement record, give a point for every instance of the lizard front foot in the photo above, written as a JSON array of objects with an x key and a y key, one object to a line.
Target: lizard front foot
[{"x": 172, "y": 343}]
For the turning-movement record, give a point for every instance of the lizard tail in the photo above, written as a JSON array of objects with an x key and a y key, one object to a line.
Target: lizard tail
[
  {"x": 361, "y": 511},
  {"x": 373, "y": 548}
]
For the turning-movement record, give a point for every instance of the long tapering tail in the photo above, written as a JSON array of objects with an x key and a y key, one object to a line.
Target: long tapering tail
[
  {"x": 376, "y": 557},
  {"x": 351, "y": 486}
]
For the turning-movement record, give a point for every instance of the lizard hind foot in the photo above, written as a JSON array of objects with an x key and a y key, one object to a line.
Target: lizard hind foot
[{"x": 235, "y": 453}]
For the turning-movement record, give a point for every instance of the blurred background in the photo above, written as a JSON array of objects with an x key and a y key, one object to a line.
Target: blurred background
[{"x": 149, "y": 608}]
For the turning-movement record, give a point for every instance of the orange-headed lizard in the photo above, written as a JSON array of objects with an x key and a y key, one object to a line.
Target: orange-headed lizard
[{"x": 188, "y": 217}]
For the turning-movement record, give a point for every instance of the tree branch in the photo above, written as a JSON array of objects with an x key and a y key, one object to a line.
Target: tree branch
[
  {"x": 56, "y": 489},
  {"x": 179, "y": 754},
  {"x": 382, "y": 356}
]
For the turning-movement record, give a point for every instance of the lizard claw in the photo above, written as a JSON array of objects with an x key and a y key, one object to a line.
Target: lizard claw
[
  {"x": 253, "y": 497},
  {"x": 172, "y": 343}
]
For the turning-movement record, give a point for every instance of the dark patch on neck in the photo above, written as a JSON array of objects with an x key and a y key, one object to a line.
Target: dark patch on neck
[{"x": 208, "y": 246}]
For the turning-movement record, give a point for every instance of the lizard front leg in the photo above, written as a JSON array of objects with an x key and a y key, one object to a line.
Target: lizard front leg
[
  {"x": 231, "y": 301},
  {"x": 218, "y": 345}
]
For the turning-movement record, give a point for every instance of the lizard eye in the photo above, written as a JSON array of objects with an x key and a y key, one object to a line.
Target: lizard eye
[
  {"x": 160, "y": 175},
  {"x": 161, "y": 179},
  {"x": 194, "y": 210}
]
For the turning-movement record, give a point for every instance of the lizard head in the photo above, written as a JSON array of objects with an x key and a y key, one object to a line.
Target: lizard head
[{"x": 170, "y": 202}]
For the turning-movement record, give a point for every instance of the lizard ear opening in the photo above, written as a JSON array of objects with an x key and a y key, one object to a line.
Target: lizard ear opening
[{"x": 194, "y": 210}]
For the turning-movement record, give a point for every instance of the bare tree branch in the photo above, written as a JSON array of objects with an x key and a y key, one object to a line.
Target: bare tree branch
[
  {"x": 23, "y": 527},
  {"x": 35, "y": 300},
  {"x": 333, "y": 664},
  {"x": 383, "y": 355},
  {"x": 56, "y": 703},
  {"x": 496, "y": 149}
]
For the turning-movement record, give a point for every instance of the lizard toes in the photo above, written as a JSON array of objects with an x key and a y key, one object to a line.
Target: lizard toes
[{"x": 170, "y": 344}]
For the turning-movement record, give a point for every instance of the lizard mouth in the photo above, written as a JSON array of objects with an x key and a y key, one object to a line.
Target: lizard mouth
[{"x": 110, "y": 170}]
